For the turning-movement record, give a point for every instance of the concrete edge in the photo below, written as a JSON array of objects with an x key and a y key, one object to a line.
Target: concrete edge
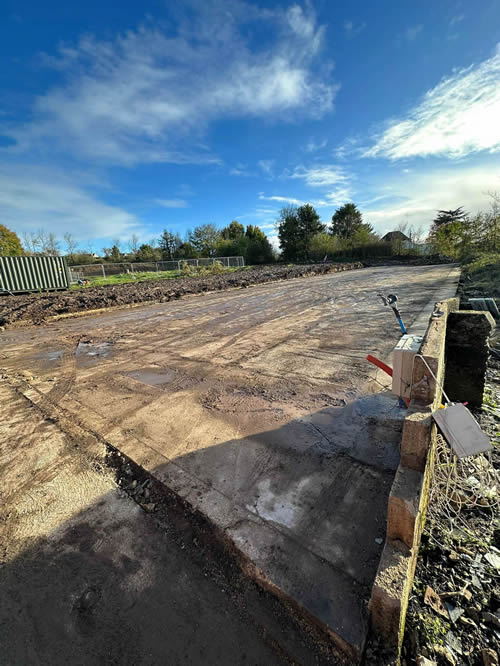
[{"x": 408, "y": 499}]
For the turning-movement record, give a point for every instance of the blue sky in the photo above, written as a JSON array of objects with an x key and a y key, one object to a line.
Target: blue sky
[{"x": 128, "y": 118}]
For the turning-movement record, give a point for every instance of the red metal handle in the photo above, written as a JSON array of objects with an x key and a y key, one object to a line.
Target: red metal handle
[{"x": 379, "y": 364}]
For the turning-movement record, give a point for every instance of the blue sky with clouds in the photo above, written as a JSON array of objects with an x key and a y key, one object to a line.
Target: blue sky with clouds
[{"x": 122, "y": 118}]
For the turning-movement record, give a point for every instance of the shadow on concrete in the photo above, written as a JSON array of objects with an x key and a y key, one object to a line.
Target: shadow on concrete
[
  {"x": 304, "y": 503},
  {"x": 117, "y": 586}
]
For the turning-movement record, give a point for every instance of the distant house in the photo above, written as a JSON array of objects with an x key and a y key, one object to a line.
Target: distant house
[
  {"x": 400, "y": 241},
  {"x": 395, "y": 237}
]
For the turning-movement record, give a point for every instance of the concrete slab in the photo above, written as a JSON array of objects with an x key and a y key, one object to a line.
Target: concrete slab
[{"x": 257, "y": 407}]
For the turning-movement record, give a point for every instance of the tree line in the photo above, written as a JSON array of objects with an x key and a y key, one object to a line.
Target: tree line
[
  {"x": 203, "y": 241},
  {"x": 303, "y": 237},
  {"x": 457, "y": 234}
]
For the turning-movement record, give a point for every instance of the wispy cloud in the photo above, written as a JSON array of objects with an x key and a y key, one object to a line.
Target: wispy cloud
[
  {"x": 314, "y": 146},
  {"x": 351, "y": 29},
  {"x": 34, "y": 197},
  {"x": 281, "y": 199},
  {"x": 239, "y": 170},
  {"x": 172, "y": 203},
  {"x": 320, "y": 175},
  {"x": 456, "y": 19},
  {"x": 328, "y": 200},
  {"x": 148, "y": 96},
  {"x": 266, "y": 167},
  {"x": 415, "y": 199},
  {"x": 412, "y": 32},
  {"x": 456, "y": 118}
]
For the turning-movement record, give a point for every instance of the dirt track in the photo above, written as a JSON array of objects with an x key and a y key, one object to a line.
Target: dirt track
[{"x": 37, "y": 308}]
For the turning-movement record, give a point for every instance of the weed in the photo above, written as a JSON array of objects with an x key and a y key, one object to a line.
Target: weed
[{"x": 431, "y": 629}]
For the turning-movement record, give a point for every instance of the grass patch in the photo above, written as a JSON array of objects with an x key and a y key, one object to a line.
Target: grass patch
[
  {"x": 482, "y": 277},
  {"x": 124, "y": 278}
]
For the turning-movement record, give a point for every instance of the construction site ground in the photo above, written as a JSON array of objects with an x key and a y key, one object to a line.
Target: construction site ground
[{"x": 257, "y": 416}]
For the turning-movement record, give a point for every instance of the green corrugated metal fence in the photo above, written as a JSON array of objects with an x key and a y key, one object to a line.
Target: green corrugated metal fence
[{"x": 18, "y": 274}]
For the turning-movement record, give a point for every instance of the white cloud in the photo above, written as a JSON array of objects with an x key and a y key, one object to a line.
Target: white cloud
[
  {"x": 281, "y": 199},
  {"x": 457, "y": 117},
  {"x": 417, "y": 198},
  {"x": 266, "y": 166},
  {"x": 239, "y": 170},
  {"x": 411, "y": 33},
  {"x": 330, "y": 199},
  {"x": 148, "y": 95},
  {"x": 313, "y": 146},
  {"x": 172, "y": 203},
  {"x": 334, "y": 198},
  {"x": 320, "y": 175},
  {"x": 33, "y": 198}
]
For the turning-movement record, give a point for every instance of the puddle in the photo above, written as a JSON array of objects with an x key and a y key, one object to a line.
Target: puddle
[
  {"x": 153, "y": 376},
  {"x": 88, "y": 351},
  {"x": 50, "y": 356}
]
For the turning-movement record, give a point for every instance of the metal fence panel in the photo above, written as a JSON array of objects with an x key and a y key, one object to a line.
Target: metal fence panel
[
  {"x": 22, "y": 274},
  {"x": 104, "y": 270}
]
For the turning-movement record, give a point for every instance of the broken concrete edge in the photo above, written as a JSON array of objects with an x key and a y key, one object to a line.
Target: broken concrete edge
[
  {"x": 334, "y": 268},
  {"x": 409, "y": 496},
  {"x": 98, "y": 447}
]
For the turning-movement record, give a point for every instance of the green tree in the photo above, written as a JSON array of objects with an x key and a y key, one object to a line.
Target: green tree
[
  {"x": 186, "y": 251},
  {"x": 232, "y": 248},
  {"x": 10, "y": 245},
  {"x": 146, "y": 253},
  {"x": 346, "y": 221},
  {"x": 233, "y": 231},
  {"x": 447, "y": 216},
  {"x": 115, "y": 255},
  {"x": 364, "y": 234},
  {"x": 296, "y": 228},
  {"x": 323, "y": 245},
  {"x": 204, "y": 239},
  {"x": 288, "y": 233},
  {"x": 81, "y": 259},
  {"x": 169, "y": 244},
  {"x": 259, "y": 249}
]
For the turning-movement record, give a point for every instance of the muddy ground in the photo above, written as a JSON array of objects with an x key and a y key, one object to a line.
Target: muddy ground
[
  {"x": 256, "y": 407},
  {"x": 459, "y": 559},
  {"x": 37, "y": 308}
]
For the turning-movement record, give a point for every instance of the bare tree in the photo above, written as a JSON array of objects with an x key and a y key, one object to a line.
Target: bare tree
[
  {"x": 31, "y": 242},
  {"x": 48, "y": 242},
  {"x": 71, "y": 244},
  {"x": 403, "y": 227},
  {"x": 133, "y": 244},
  {"x": 117, "y": 242}
]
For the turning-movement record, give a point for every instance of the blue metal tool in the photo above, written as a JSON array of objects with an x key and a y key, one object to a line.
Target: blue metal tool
[{"x": 392, "y": 299}]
